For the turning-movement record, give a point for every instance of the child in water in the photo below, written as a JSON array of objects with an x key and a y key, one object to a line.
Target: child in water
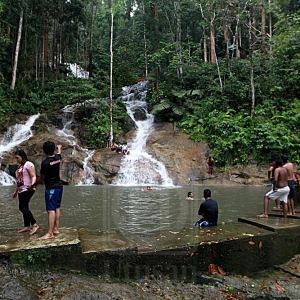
[{"x": 190, "y": 196}]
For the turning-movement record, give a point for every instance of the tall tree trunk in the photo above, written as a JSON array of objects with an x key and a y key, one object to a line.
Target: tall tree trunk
[
  {"x": 212, "y": 38},
  {"x": 14, "y": 72},
  {"x": 263, "y": 31},
  {"x": 91, "y": 42},
  {"x": 145, "y": 43},
  {"x": 111, "y": 71},
  {"x": 178, "y": 36},
  {"x": 251, "y": 66},
  {"x": 46, "y": 41},
  {"x": 270, "y": 30},
  {"x": 204, "y": 45}
]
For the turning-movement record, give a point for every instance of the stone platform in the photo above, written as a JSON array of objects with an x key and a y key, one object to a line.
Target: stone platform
[{"x": 250, "y": 245}]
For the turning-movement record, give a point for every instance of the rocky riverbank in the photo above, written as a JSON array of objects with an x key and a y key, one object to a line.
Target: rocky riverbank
[
  {"x": 19, "y": 283},
  {"x": 184, "y": 159}
]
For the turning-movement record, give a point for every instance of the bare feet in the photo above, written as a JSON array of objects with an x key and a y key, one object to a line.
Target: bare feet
[
  {"x": 277, "y": 208},
  {"x": 25, "y": 229},
  {"x": 263, "y": 216},
  {"x": 47, "y": 236},
  {"x": 56, "y": 232},
  {"x": 34, "y": 229}
]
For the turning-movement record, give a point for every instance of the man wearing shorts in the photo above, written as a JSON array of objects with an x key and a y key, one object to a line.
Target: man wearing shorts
[
  {"x": 50, "y": 169},
  {"x": 291, "y": 183},
  {"x": 279, "y": 191}
]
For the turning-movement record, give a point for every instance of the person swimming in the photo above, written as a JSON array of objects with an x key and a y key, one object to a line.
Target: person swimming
[
  {"x": 190, "y": 196},
  {"x": 149, "y": 188}
]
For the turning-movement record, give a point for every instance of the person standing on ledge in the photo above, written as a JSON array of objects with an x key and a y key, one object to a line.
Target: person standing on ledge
[
  {"x": 208, "y": 210},
  {"x": 211, "y": 164},
  {"x": 291, "y": 183},
  {"x": 26, "y": 176},
  {"x": 280, "y": 190},
  {"x": 49, "y": 173}
]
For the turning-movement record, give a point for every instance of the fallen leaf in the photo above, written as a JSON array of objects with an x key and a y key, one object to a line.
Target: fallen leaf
[
  {"x": 279, "y": 288},
  {"x": 260, "y": 245},
  {"x": 213, "y": 269},
  {"x": 221, "y": 271},
  {"x": 251, "y": 243}
]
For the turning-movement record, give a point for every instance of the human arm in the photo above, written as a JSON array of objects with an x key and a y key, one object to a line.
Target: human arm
[
  {"x": 37, "y": 182},
  {"x": 58, "y": 147}
]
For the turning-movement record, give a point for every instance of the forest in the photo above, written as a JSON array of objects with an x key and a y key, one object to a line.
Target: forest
[{"x": 225, "y": 72}]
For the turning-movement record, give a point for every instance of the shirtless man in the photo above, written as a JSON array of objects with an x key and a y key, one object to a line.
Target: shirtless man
[
  {"x": 280, "y": 189},
  {"x": 291, "y": 183},
  {"x": 210, "y": 163},
  {"x": 271, "y": 171}
]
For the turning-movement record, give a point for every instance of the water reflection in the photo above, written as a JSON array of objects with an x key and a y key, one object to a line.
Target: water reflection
[{"x": 133, "y": 209}]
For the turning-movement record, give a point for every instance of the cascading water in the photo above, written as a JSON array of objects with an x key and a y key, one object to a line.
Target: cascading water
[
  {"x": 66, "y": 131},
  {"x": 14, "y": 136},
  {"x": 139, "y": 167}
]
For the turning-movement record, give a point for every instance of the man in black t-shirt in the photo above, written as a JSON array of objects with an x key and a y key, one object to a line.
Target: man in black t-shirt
[
  {"x": 49, "y": 173},
  {"x": 208, "y": 210}
]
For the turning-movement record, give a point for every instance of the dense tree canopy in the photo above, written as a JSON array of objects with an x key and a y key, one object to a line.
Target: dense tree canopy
[{"x": 223, "y": 71}]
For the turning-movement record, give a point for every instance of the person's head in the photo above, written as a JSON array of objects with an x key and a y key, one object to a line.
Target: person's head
[
  {"x": 209, "y": 157},
  {"x": 206, "y": 193},
  {"x": 49, "y": 148},
  {"x": 190, "y": 195},
  {"x": 274, "y": 156},
  {"x": 284, "y": 159},
  {"x": 279, "y": 162},
  {"x": 21, "y": 155}
]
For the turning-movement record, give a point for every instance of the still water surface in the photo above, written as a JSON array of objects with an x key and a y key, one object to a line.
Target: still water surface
[{"x": 133, "y": 209}]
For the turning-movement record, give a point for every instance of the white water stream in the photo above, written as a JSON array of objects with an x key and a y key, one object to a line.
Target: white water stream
[
  {"x": 139, "y": 167},
  {"x": 14, "y": 136},
  {"x": 68, "y": 134}
]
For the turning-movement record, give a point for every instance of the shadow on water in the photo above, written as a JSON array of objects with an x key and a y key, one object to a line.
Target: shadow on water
[{"x": 133, "y": 209}]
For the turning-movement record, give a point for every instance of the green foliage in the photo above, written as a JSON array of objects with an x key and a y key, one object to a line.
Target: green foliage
[
  {"x": 34, "y": 259},
  {"x": 98, "y": 125}
]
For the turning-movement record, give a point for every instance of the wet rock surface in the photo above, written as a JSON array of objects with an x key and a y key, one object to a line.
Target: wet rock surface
[
  {"x": 20, "y": 283},
  {"x": 185, "y": 160}
]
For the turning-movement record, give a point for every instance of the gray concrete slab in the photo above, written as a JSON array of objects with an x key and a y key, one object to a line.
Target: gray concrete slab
[
  {"x": 273, "y": 223},
  {"x": 96, "y": 240},
  {"x": 11, "y": 241}
]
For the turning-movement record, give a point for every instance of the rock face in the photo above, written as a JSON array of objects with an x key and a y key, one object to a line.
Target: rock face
[{"x": 184, "y": 160}]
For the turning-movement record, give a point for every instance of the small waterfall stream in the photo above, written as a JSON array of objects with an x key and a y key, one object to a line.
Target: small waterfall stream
[
  {"x": 139, "y": 167},
  {"x": 14, "y": 136},
  {"x": 66, "y": 131}
]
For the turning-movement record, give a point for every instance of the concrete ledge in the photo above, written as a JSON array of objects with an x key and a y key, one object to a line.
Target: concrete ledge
[{"x": 247, "y": 246}]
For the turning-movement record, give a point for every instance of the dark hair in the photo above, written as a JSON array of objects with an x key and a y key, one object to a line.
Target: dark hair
[
  {"x": 189, "y": 194},
  {"x": 206, "y": 193},
  {"x": 284, "y": 158},
  {"x": 274, "y": 156},
  {"x": 49, "y": 148},
  {"x": 21, "y": 153},
  {"x": 279, "y": 162}
]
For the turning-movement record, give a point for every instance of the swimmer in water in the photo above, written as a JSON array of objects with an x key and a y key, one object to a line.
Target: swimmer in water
[
  {"x": 149, "y": 188},
  {"x": 190, "y": 196}
]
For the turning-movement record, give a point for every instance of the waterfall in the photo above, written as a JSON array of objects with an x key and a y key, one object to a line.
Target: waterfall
[
  {"x": 66, "y": 131},
  {"x": 88, "y": 177},
  {"x": 14, "y": 136},
  {"x": 139, "y": 167}
]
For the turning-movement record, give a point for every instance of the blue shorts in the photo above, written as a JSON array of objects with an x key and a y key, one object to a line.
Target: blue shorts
[
  {"x": 201, "y": 222},
  {"x": 53, "y": 198}
]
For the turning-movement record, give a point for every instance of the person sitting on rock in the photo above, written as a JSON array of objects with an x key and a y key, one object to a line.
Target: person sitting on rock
[
  {"x": 125, "y": 149},
  {"x": 119, "y": 148}
]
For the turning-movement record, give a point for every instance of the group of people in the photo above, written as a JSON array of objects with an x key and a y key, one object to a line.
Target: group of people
[
  {"x": 116, "y": 147},
  {"x": 27, "y": 183},
  {"x": 120, "y": 148},
  {"x": 283, "y": 178}
]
